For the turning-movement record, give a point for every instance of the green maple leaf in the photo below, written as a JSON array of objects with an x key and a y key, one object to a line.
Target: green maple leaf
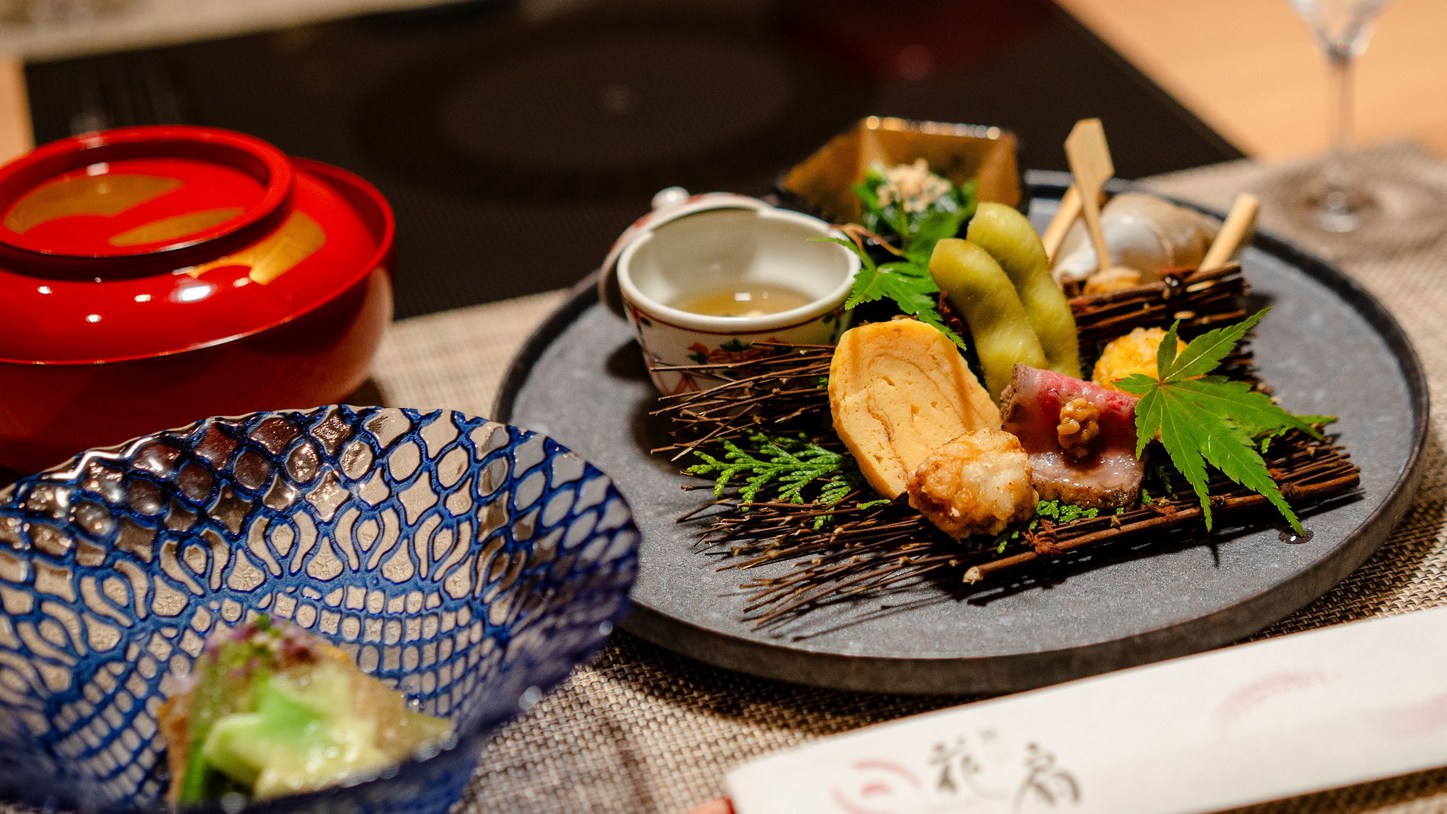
[
  {"x": 909, "y": 285},
  {"x": 1211, "y": 420}
]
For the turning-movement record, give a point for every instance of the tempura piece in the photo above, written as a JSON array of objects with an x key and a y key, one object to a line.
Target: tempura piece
[{"x": 977, "y": 483}]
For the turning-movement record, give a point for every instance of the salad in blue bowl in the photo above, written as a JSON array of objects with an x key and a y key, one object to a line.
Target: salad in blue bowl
[{"x": 245, "y": 613}]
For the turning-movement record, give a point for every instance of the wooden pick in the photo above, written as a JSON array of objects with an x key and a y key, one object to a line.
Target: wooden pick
[
  {"x": 1238, "y": 227},
  {"x": 1090, "y": 163},
  {"x": 1060, "y": 224}
]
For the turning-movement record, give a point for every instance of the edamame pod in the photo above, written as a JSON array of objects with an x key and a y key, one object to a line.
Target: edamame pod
[
  {"x": 980, "y": 290},
  {"x": 1009, "y": 238}
]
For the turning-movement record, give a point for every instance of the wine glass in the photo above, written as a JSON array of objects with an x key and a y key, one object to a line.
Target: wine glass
[{"x": 1334, "y": 202}]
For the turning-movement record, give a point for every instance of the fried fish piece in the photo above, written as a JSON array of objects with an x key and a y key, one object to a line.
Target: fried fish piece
[{"x": 978, "y": 483}]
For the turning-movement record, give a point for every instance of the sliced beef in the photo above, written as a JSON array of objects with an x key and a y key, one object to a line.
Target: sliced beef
[{"x": 1080, "y": 438}]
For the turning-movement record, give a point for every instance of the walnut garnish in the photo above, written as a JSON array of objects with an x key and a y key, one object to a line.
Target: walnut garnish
[{"x": 1079, "y": 425}]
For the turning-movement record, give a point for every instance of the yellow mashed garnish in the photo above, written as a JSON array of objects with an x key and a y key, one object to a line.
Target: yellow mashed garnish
[{"x": 1133, "y": 353}]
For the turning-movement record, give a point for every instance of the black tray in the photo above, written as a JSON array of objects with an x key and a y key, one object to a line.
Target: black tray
[{"x": 1327, "y": 347}]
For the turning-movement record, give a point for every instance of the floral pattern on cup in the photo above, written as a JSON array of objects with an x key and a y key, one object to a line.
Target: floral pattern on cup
[
  {"x": 667, "y": 345},
  {"x": 731, "y": 246}
]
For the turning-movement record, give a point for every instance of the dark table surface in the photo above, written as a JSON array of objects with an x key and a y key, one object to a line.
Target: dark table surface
[{"x": 516, "y": 145}]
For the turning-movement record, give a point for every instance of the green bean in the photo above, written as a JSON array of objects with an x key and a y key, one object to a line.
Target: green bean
[
  {"x": 981, "y": 292},
  {"x": 1009, "y": 238}
]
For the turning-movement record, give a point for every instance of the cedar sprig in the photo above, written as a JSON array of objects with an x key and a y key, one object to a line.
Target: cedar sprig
[{"x": 780, "y": 468}]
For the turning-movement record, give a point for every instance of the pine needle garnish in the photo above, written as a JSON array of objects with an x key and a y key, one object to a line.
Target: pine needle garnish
[{"x": 1211, "y": 420}]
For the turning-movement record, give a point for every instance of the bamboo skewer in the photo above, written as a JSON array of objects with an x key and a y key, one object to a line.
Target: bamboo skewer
[
  {"x": 1239, "y": 225},
  {"x": 1065, "y": 217},
  {"x": 1090, "y": 163}
]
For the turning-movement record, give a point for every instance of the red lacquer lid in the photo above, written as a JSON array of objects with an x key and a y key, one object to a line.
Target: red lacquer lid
[{"x": 148, "y": 241}]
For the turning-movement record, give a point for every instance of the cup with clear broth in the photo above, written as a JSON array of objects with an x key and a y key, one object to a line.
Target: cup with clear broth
[{"x": 705, "y": 288}]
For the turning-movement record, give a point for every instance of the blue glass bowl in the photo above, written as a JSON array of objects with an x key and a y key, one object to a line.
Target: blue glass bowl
[{"x": 467, "y": 563}]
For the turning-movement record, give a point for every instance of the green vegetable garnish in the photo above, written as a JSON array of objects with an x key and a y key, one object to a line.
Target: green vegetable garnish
[
  {"x": 784, "y": 467},
  {"x": 907, "y": 283},
  {"x": 913, "y": 203},
  {"x": 1211, "y": 420},
  {"x": 920, "y": 209},
  {"x": 1047, "y": 510},
  {"x": 227, "y": 682},
  {"x": 275, "y": 710}
]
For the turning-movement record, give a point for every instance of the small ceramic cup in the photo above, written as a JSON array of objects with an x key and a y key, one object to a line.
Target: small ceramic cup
[{"x": 705, "y": 287}]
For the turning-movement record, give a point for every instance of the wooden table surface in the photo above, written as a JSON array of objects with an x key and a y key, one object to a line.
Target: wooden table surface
[
  {"x": 1250, "y": 69},
  {"x": 1246, "y": 67}
]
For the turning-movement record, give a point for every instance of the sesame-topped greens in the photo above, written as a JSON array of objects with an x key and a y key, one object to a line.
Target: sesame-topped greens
[{"x": 909, "y": 201}]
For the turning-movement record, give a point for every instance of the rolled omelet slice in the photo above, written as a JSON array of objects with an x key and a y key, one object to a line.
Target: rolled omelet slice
[{"x": 899, "y": 390}]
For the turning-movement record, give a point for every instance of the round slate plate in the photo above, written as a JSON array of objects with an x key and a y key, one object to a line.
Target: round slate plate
[{"x": 1327, "y": 347}]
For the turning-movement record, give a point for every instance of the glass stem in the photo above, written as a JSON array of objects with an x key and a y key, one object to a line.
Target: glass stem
[{"x": 1339, "y": 198}]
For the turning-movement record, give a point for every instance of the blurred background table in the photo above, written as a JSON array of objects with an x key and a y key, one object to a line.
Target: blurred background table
[
  {"x": 1249, "y": 69},
  {"x": 487, "y": 121},
  {"x": 1245, "y": 67}
]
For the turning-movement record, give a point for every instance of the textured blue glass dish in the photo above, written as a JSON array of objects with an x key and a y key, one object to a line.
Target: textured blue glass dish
[{"x": 463, "y": 562}]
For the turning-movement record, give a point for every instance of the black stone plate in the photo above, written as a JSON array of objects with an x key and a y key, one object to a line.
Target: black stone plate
[{"x": 1327, "y": 347}]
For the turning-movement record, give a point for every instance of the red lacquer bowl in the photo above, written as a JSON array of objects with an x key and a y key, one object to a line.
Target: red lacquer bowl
[{"x": 155, "y": 276}]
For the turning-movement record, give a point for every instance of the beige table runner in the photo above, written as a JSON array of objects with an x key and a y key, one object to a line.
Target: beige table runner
[{"x": 643, "y": 730}]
